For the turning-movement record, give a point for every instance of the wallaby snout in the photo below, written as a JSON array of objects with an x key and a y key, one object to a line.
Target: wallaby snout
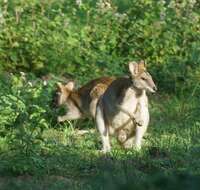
[{"x": 154, "y": 89}]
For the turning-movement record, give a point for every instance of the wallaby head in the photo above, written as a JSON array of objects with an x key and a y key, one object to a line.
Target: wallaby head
[
  {"x": 69, "y": 97},
  {"x": 141, "y": 78},
  {"x": 64, "y": 91}
]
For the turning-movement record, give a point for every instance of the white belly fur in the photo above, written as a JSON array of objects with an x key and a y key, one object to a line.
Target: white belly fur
[{"x": 129, "y": 104}]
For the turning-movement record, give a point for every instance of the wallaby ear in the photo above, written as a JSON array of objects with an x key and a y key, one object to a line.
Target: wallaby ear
[
  {"x": 59, "y": 85},
  {"x": 142, "y": 66},
  {"x": 142, "y": 62},
  {"x": 70, "y": 85},
  {"x": 133, "y": 68}
]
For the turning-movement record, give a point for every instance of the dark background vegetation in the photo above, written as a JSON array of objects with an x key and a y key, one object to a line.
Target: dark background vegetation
[{"x": 56, "y": 40}]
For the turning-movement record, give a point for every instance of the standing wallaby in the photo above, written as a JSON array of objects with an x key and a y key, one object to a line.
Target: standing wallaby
[
  {"x": 81, "y": 102},
  {"x": 123, "y": 108}
]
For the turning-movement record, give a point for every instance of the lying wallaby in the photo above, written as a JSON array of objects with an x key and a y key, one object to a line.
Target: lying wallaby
[
  {"x": 123, "y": 108},
  {"x": 81, "y": 102}
]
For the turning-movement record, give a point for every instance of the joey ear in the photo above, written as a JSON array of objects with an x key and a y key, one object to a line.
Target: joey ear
[
  {"x": 70, "y": 85},
  {"x": 133, "y": 68}
]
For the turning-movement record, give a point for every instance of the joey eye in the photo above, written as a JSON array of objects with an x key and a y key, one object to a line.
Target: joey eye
[{"x": 143, "y": 78}]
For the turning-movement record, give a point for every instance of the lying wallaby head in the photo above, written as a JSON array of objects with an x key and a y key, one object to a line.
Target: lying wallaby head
[
  {"x": 141, "y": 78},
  {"x": 67, "y": 95},
  {"x": 64, "y": 91}
]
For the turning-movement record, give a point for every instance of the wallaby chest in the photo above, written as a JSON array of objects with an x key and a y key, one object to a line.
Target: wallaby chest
[
  {"x": 128, "y": 104},
  {"x": 134, "y": 104}
]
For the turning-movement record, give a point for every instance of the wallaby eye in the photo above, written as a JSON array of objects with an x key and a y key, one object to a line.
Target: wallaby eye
[{"x": 143, "y": 78}]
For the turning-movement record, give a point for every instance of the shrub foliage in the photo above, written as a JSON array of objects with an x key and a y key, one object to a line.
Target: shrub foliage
[{"x": 90, "y": 38}]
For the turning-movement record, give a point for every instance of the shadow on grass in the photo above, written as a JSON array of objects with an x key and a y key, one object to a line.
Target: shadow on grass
[{"x": 71, "y": 168}]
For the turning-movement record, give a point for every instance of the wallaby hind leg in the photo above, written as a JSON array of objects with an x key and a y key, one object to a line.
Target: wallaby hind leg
[
  {"x": 140, "y": 131},
  {"x": 103, "y": 130}
]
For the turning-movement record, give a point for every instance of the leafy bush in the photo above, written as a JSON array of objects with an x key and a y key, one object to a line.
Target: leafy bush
[
  {"x": 24, "y": 113},
  {"x": 24, "y": 103},
  {"x": 98, "y": 37}
]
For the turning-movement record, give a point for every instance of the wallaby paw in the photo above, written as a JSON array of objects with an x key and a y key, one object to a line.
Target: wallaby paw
[
  {"x": 104, "y": 151},
  {"x": 139, "y": 122},
  {"x": 59, "y": 119}
]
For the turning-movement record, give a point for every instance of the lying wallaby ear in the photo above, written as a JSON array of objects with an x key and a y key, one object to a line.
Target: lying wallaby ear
[
  {"x": 59, "y": 85},
  {"x": 70, "y": 85},
  {"x": 133, "y": 68}
]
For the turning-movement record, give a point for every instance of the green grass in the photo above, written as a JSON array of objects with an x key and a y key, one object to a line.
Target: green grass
[{"x": 68, "y": 159}]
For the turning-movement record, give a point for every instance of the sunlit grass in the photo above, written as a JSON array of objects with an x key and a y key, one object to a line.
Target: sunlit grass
[{"x": 69, "y": 153}]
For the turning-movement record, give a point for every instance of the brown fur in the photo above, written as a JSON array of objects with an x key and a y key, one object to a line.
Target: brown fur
[{"x": 86, "y": 97}]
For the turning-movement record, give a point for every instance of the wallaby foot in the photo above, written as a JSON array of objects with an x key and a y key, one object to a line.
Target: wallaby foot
[
  {"x": 105, "y": 149},
  {"x": 60, "y": 119}
]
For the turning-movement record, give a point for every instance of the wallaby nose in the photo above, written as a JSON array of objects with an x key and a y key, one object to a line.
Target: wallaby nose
[{"x": 155, "y": 88}]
